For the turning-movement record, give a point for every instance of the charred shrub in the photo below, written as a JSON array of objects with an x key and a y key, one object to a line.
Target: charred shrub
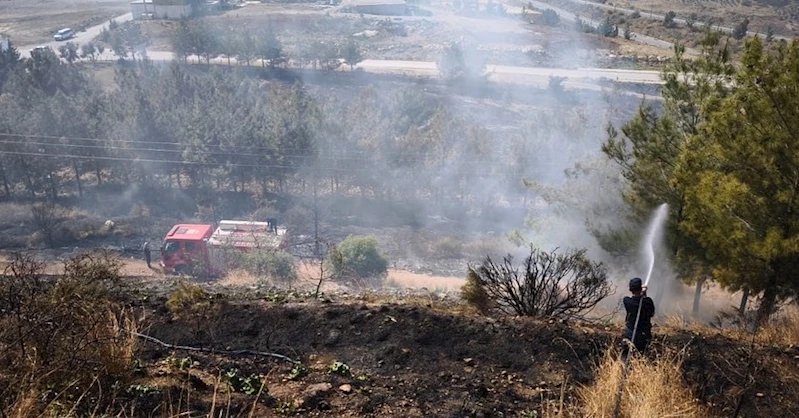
[
  {"x": 357, "y": 256},
  {"x": 49, "y": 224},
  {"x": 564, "y": 285},
  {"x": 62, "y": 338}
]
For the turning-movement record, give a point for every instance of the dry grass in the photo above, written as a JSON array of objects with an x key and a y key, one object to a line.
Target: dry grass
[
  {"x": 238, "y": 278},
  {"x": 782, "y": 329},
  {"x": 653, "y": 389}
]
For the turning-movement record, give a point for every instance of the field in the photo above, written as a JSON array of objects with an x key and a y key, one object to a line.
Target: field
[
  {"x": 30, "y": 22},
  {"x": 782, "y": 18},
  {"x": 500, "y": 39}
]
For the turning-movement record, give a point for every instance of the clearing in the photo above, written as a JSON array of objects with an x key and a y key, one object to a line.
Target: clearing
[{"x": 29, "y": 22}]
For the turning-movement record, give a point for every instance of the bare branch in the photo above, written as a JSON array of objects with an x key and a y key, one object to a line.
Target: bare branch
[{"x": 211, "y": 350}]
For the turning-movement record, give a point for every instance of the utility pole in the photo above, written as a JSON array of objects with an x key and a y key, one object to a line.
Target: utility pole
[{"x": 315, "y": 217}]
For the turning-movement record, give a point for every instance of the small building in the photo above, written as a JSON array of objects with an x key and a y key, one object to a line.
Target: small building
[
  {"x": 377, "y": 7},
  {"x": 161, "y": 9}
]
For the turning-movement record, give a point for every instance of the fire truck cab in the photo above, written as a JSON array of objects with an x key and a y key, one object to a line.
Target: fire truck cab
[{"x": 184, "y": 247}]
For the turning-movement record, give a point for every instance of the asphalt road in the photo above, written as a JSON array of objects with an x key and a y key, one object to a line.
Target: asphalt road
[{"x": 583, "y": 78}]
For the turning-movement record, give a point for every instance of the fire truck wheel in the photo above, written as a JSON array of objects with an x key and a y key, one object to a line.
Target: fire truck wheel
[{"x": 182, "y": 269}]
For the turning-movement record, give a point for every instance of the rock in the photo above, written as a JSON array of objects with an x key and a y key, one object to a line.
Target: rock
[
  {"x": 469, "y": 361},
  {"x": 313, "y": 395},
  {"x": 759, "y": 394},
  {"x": 346, "y": 388},
  {"x": 318, "y": 388}
]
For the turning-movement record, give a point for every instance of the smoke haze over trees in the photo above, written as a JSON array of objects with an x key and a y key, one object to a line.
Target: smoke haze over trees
[{"x": 176, "y": 126}]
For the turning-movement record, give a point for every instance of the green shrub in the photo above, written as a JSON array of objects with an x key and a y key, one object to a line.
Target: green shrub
[
  {"x": 275, "y": 265},
  {"x": 475, "y": 295},
  {"x": 447, "y": 248},
  {"x": 358, "y": 255}
]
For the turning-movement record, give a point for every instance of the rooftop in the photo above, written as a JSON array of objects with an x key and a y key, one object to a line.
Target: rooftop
[{"x": 190, "y": 232}]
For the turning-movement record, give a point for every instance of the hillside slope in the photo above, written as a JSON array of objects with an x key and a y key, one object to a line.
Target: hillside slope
[{"x": 411, "y": 360}]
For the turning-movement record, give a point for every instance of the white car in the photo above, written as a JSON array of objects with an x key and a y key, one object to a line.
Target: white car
[{"x": 64, "y": 34}]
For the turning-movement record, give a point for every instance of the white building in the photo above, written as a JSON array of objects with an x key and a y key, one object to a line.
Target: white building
[{"x": 161, "y": 9}]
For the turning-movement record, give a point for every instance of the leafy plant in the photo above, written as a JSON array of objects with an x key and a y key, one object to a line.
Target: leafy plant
[
  {"x": 297, "y": 372},
  {"x": 143, "y": 390},
  {"x": 475, "y": 295},
  {"x": 358, "y": 255},
  {"x": 340, "y": 369},
  {"x": 247, "y": 385}
]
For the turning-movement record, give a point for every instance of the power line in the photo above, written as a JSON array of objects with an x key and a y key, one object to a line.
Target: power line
[
  {"x": 211, "y": 164},
  {"x": 204, "y": 152},
  {"x": 178, "y": 144}
]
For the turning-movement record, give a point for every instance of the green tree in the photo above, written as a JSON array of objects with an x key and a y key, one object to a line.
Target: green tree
[
  {"x": 607, "y": 29},
  {"x": 352, "y": 55},
  {"x": 454, "y": 63},
  {"x": 88, "y": 50},
  {"x": 270, "y": 49},
  {"x": 550, "y": 17},
  {"x": 668, "y": 19},
  {"x": 136, "y": 41},
  {"x": 69, "y": 52},
  {"x": 649, "y": 145},
  {"x": 9, "y": 59},
  {"x": 740, "y": 30},
  {"x": 740, "y": 175}
]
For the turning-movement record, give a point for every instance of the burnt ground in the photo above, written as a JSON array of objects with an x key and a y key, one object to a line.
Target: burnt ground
[{"x": 426, "y": 358}]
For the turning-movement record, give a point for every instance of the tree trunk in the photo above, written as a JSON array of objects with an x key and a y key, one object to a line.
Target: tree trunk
[
  {"x": 744, "y": 299},
  {"x": 5, "y": 180},
  {"x": 98, "y": 174},
  {"x": 768, "y": 301},
  {"x": 28, "y": 179},
  {"x": 77, "y": 177},
  {"x": 697, "y": 297},
  {"x": 53, "y": 191}
]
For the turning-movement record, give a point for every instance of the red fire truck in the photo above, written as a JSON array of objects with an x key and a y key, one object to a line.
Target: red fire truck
[{"x": 202, "y": 249}]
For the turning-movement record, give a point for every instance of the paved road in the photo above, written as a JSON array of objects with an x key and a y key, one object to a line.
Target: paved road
[
  {"x": 80, "y": 37},
  {"x": 637, "y": 37},
  {"x": 679, "y": 20},
  {"x": 583, "y": 78},
  {"x": 584, "y": 75}
]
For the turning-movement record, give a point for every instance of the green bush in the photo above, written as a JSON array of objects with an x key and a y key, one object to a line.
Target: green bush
[
  {"x": 447, "y": 247},
  {"x": 275, "y": 265},
  {"x": 475, "y": 295},
  {"x": 358, "y": 255}
]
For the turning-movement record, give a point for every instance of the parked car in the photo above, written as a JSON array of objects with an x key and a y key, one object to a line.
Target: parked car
[
  {"x": 38, "y": 49},
  {"x": 64, "y": 34}
]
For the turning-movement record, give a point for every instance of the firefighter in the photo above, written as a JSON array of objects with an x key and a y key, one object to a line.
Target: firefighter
[
  {"x": 272, "y": 224},
  {"x": 146, "y": 249},
  {"x": 643, "y": 330}
]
